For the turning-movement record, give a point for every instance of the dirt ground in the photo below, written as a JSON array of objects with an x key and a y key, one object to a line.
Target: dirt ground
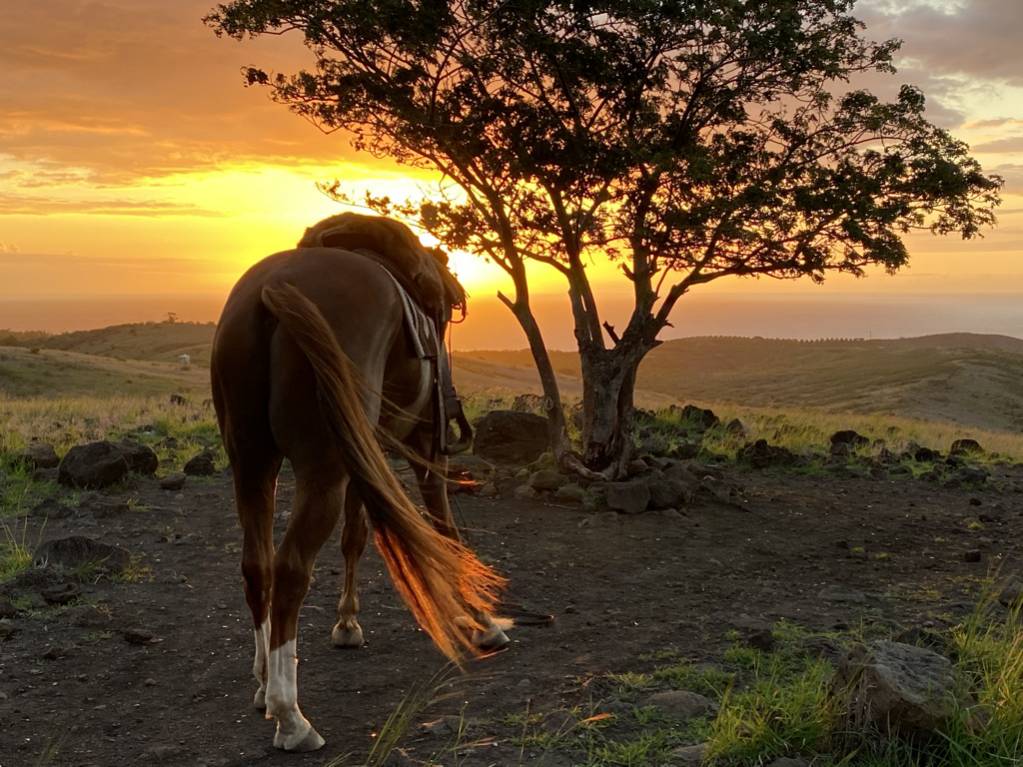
[{"x": 822, "y": 551}]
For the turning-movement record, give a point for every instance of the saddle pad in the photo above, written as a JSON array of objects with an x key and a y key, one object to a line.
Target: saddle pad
[{"x": 420, "y": 329}]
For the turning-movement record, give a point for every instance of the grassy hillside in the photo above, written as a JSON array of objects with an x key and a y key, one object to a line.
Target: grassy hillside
[
  {"x": 966, "y": 379},
  {"x": 53, "y": 373},
  {"x": 973, "y": 380},
  {"x": 157, "y": 341}
]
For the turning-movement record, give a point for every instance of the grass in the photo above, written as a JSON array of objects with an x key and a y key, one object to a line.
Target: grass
[{"x": 15, "y": 553}]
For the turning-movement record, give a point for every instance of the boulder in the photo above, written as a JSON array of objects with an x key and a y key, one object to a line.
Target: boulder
[
  {"x": 201, "y": 465},
  {"x": 93, "y": 465},
  {"x": 630, "y": 497},
  {"x": 77, "y": 551},
  {"x": 141, "y": 458},
  {"x": 966, "y": 447},
  {"x": 570, "y": 493},
  {"x": 681, "y": 705},
  {"x": 761, "y": 455},
  {"x": 173, "y": 482},
  {"x": 40, "y": 455},
  {"x": 736, "y": 428},
  {"x": 899, "y": 687},
  {"x": 528, "y": 403},
  {"x": 508, "y": 437},
  {"x": 547, "y": 480},
  {"x": 688, "y": 756},
  {"x": 848, "y": 437},
  {"x": 926, "y": 455},
  {"x": 668, "y": 493},
  {"x": 698, "y": 419}
]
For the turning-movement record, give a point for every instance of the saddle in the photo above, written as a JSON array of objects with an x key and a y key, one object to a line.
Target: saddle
[{"x": 429, "y": 294}]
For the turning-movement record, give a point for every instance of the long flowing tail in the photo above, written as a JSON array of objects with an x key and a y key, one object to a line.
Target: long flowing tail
[{"x": 441, "y": 580}]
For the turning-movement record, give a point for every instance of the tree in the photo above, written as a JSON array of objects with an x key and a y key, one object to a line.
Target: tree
[{"x": 687, "y": 141}]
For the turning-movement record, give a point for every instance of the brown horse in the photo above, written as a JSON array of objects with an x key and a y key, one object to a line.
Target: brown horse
[{"x": 310, "y": 348}]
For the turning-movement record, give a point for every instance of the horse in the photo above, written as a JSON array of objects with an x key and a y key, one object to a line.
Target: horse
[{"x": 311, "y": 362}]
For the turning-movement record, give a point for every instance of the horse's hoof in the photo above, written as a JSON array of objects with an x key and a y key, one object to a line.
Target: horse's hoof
[
  {"x": 259, "y": 699},
  {"x": 490, "y": 640},
  {"x": 347, "y": 636},
  {"x": 310, "y": 741}
]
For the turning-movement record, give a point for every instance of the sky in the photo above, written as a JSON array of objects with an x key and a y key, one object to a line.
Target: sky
[{"x": 138, "y": 176}]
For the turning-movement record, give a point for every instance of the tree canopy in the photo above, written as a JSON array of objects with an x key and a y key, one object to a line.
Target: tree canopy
[{"x": 686, "y": 140}]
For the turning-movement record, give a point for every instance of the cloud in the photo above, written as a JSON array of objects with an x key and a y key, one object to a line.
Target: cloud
[
  {"x": 1013, "y": 175},
  {"x": 139, "y": 88},
  {"x": 976, "y": 38},
  {"x": 22, "y": 205},
  {"x": 1002, "y": 145}
]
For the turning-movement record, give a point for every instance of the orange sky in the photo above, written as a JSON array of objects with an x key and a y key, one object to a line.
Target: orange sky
[{"x": 134, "y": 163}]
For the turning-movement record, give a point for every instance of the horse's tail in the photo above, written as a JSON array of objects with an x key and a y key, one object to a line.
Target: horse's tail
[{"x": 442, "y": 581}]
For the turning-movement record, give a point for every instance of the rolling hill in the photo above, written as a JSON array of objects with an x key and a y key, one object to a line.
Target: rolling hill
[{"x": 968, "y": 379}]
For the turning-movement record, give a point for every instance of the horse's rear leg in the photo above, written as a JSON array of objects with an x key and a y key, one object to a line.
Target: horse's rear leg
[
  {"x": 347, "y": 632},
  {"x": 255, "y": 485},
  {"x": 433, "y": 486},
  {"x": 318, "y": 504}
]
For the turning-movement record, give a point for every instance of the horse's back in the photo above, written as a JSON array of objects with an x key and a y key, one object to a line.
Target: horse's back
[{"x": 264, "y": 387}]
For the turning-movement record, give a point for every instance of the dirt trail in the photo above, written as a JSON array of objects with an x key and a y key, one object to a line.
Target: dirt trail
[{"x": 820, "y": 551}]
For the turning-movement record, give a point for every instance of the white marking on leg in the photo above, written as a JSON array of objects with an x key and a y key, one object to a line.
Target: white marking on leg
[
  {"x": 259, "y": 668},
  {"x": 294, "y": 733}
]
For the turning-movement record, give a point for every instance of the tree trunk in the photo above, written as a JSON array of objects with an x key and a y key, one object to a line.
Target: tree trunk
[
  {"x": 548, "y": 380},
  {"x": 609, "y": 382}
]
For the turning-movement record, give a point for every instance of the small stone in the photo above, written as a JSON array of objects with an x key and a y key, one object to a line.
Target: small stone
[
  {"x": 141, "y": 458},
  {"x": 628, "y": 497},
  {"x": 173, "y": 482},
  {"x": 442, "y": 727},
  {"x": 7, "y": 629},
  {"x": 40, "y": 455},
  {"x": 201, "y": 465},
  {"x": 489, "y": 490},
  {"x": 762, "y": 640},
  {"x": 547, "y": 480},
  {"x": 139, "y": 636},
  {"x": 149, "y": 682},
  {"x": 525, "y": 492},
  {"x": 972, "y": 555},
  {"x": 1011, "y": 592},
  {"x": 62, "y": 594},
  {"x": 838, "y": 594},
  {"x": 570, "y": 493}
]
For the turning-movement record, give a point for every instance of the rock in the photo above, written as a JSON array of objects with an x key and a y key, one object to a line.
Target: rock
[
  {"x": 525, "y": 492},
  {"x": 141, "y": 458},
  {"x": 173, "y": 482},
  {"x": 7, "y": 629},
  {"x": 489, "y": 490},
  {"x": 848, "y": 437},
  {"x": 698, "y": 419},
  {"x": 570, "y": 493},
  {"x": 972, "y": 555},
  {"x": 926, "y": 455},
  {"x": 7, "y": 608},
  {"x": 967, "y": 476},
  {"x": 40, "y": 455},
  {"x": 630, "y": 497},
  {"x": 93, "y": 465},
  {"x": 444, "y": 726},
  {"x": 838, "y": 594},
  {"x": 77, "y": 551},
  {"x": 761, "y": 455},
  {"x": 682, "y": 705},
  {"x": 688, "y": 756},
  {"x": 103, "y": 508},
  {"x": 1011, "y": 592},
  {"x": 528, "y": 403},
  {"x": 201, "y": 465},
  {"x": 736, "y": 428},
  {"x": 140, "y": 636},
  {"x": 966, "y": 447},
  {"x": 62, "y": 594},
  {"x": 762, "y": 639},
  {"x": 668, "y": 493},
  {"x": 899, "y": 688},
  {"x": 547, "y": 480},
  {"x": 505, "y": 436}
]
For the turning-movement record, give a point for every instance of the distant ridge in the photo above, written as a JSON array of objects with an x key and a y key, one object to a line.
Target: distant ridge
[{"x": 972, "y": 379}]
